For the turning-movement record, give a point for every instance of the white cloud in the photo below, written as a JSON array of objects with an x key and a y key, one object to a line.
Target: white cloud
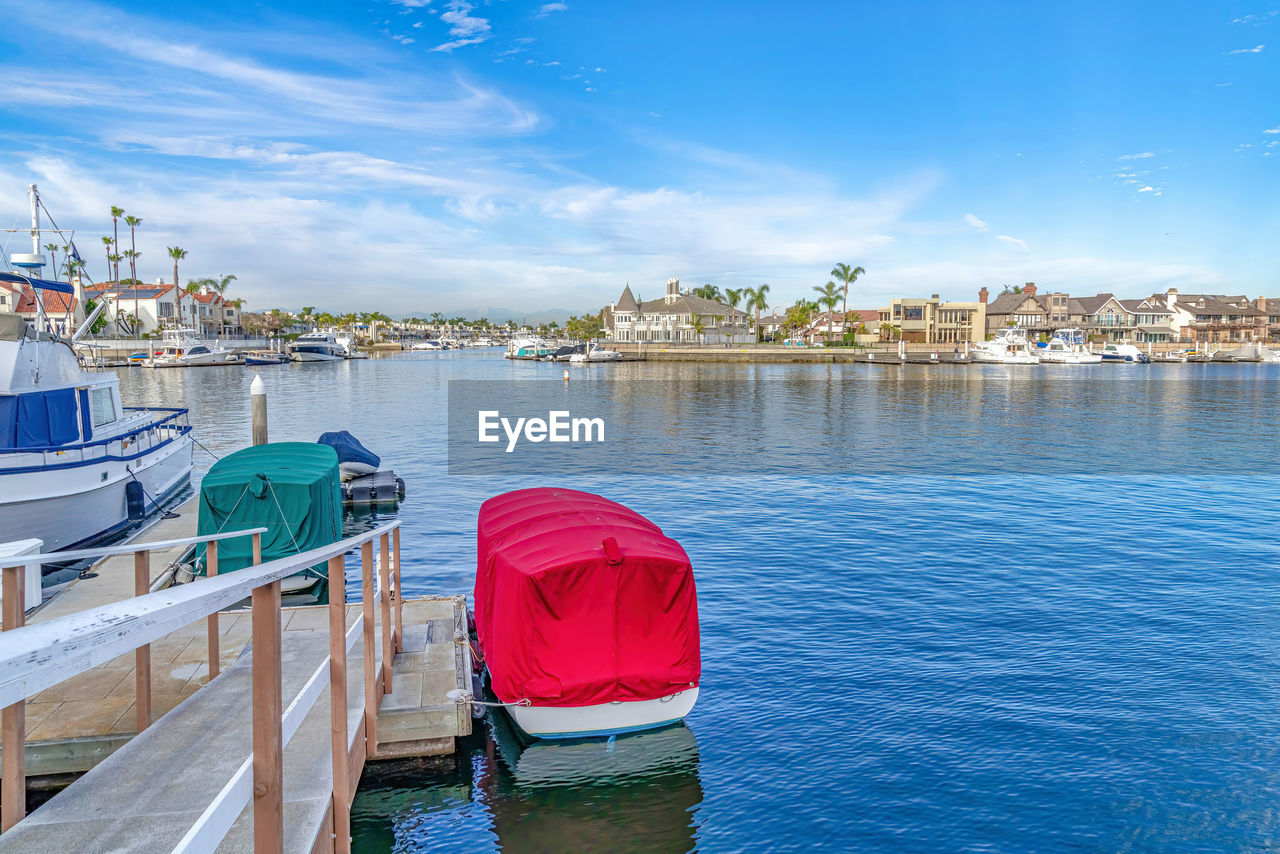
[
  {"x": 417, "y": 25},
  {"x": 1140, "y": 156},
  {"x": 548, "y": 8},
  {"x": 1223, "y": 85},
  {"x": 1257, "y": 49},
  {"x": 1256, "y": 19},
  {"x": 1275, "y": 129},
  {"x": 1146, "y": 189},
  {"x": 412, "y": 4},
  {"x": 550, "y": 64},
  {"x": 1015, "y": 241},
  {"x": 465, "y": 28},
  {"x": 975, "y": 222}
]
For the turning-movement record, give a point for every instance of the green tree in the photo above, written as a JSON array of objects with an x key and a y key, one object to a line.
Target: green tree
[
  {"x": 133, "y": 222},
  {"x": 177, "y": 254},
  {"x": 846, "y": 275},
  {"x": 116, "y": 213},
  {"x": 733, "y": 297},
  {"x": 708, "y": 291},
  {"x": 53, "y": 258},
  {"x": 699, "y": 328},
  {"x": 108, "y": 243},
  {"x": 99, "y": 324},
  {"x": 221, "y": 283},
  {"x": 757, "y": 299},
  {"x": 829, "y": 295}
]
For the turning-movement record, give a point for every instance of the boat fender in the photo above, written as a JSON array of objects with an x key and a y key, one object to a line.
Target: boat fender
[
  {"x": 135, "y": 500},
  {"x": 612, "y": 554}
]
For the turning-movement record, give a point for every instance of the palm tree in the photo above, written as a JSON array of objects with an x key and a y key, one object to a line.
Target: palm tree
[
  {"x": 221, "y": 283},
  {"x": 829, "y": 295},
  {"x": 53, "y": 258},
  {"x": 708, "y": 291},
  {"x": 108, "y": 243},
  {"x": 133, "y": 222},
  {"x": 842, "y": 273},
  {"x": 116, "y": 213},
  {"x": 177, "y": 254},
  {"x": 733, "y": 297},
  {"x": 699, "y": 328},
  {"x": 757, "y": 299}
]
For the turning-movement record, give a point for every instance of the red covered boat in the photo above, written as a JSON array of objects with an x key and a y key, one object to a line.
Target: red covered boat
[{"x": 586, "y": 614}]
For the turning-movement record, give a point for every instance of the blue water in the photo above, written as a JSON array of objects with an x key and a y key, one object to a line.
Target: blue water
[{"x": 897, "y": 659}]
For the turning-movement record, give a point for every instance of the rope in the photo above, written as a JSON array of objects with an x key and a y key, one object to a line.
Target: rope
[
  {"x": 296, "y": 548},
  {"x": 168, "y": 514},
  {"x": 462, "y": 697},
  {"x": 206, "y": 450}
]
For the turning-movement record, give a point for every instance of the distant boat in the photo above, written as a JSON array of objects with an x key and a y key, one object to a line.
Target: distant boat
[
  {"x": 595, "y": 353},
  {"x": 1067, "y": 347},
  {"x": 1113, "y": 352},
  {"x": 265, "y": 357},
  {"x": 586, "y": 615},
  {"x": 348, "y": 343},
  {"x": 182, "y": 348},
  {"x": 529, "y": 348},
  {"x": 317, "y": 347},
  {"x": 1008, "y": 347}
]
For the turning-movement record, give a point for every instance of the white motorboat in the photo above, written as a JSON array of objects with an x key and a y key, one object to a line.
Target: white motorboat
[
  {"x": 586, "y": 615},
  {"x": 1068, "y": 347},
  {"x": 1008, "y": 347},
  {"x": 350, "y": 349},
  {"x": 1113, "y": 352},
  {"x": 430, "y": 344},
  {"x": 75, "y": 465},
  {"x": 321, "y": 346},
  {"x": 529, "y": 348},
  {"x": 182, "y": 348},
  {"x": 595, "y": 353}
]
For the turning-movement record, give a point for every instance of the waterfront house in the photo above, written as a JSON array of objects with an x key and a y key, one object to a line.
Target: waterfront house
[
  {"x": 1102, "y": 317},
  {"x": 153, "y": 306},
  {"x": 1216, "y": 318},
  {"x": 64, "y": 311},
  {"x": 931, "y": 321},
  {"x": 1037, "y": 313},
  {"x": 1152, "y": 320},
  {"x": 676, "y": 317},
  {"x": 1270, "y": 306}
]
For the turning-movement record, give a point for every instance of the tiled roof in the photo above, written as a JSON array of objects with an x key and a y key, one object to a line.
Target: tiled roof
[
  {"x": 1089, "y": 305},
  {"x": 54, "y": 302},
  {"x": 1009, "y": 303}
]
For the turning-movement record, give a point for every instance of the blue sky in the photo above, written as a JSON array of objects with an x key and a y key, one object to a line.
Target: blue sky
[{"x": 429, "y": 155}]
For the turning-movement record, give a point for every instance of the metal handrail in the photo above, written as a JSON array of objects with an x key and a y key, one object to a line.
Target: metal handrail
[
  {"x": 174, "y": 414},
  {"x": 128, "y": 548}
]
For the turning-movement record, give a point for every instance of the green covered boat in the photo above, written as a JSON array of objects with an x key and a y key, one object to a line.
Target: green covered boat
[{"x": 290, "y": 488}]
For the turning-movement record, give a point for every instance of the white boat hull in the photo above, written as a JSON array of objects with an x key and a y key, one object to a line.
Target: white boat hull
[
  {"x": 316, "y": 357},
  {"x": 67, "y": 507},
  {"x": 1052, "y": 358},
  {"x": 603, "y": 719},
  {"x": 1002, "y": 358}
]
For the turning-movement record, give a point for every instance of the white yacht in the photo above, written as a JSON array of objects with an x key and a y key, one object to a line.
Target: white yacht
[
  {"x": 182, "y": 348},
  {"x": 1113, "y": 352},
  {"x": 75, "y": 465},
  {"x": 349, "y": 347},
  {"x": 1009, "y": 347},
  {"x": 317, "y": 347},
  {"x": 595, "y": 353},
  {"x": 1068, "y": 347}
]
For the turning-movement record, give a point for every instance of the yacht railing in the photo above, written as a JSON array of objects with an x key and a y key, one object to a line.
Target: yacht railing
[
  {"x": 34, "y": 658},
  {"x": 120, "y": 447}
]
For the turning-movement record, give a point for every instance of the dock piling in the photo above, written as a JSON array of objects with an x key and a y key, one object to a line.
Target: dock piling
[{"x": 258, "y": 409}]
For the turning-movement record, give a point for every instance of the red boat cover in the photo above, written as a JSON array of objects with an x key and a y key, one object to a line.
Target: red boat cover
[{"x": 581, "y": 601}]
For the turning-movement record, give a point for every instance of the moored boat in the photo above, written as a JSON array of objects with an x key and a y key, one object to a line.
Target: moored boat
[
  {"x": 586, "y": 615},
  {"x": 1008, "y": 347},
  {"x": 1122, "y": 352},
  {"x": 1067, "y": 347},
  {"x": 595, "y": 353},
  {"x": 264, "y": 357},
  {"x": 290, "y": 488},
  {"x": 182, "y": 348},
  {"x": 317, "y": 347}
]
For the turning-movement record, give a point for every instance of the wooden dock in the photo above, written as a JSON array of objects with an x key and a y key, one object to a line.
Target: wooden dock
[{"x": 172, "y": 759}]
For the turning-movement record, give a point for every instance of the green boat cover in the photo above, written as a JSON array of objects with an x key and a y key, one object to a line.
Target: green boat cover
[{"x": 290, "y": 488}]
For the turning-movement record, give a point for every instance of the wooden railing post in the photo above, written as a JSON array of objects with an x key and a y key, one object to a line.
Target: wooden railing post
[
  {"x": 211, "y": 571},
  {"x": 384, "y": 577},
  {"x": 370, "y": 674},
  {"x": 395, "y": 549},
  {"x": 268, "y": 740},
  {"x": 142, "y": 655},
  {"x": 338, "y": 704},
  {"x": 13, "y": 781}
]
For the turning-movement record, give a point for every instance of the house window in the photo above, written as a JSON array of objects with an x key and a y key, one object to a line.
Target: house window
[
  {"x": 166, "y": 309},
  {"x": 913, "y": 312}
]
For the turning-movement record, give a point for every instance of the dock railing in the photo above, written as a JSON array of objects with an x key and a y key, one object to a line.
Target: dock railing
[{"x": 36, "y": 657}]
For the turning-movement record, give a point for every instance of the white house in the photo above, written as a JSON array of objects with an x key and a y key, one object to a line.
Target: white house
[{"x": 676, "y": 317}]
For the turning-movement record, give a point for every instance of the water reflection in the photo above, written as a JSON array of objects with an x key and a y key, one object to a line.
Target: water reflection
[{"x": 633, "y": 793}]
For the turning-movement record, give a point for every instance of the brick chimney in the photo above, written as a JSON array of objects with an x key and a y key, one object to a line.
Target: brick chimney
[
  {"x": 982, "y": 295},
  {"x": 1029, "y": 289}
]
